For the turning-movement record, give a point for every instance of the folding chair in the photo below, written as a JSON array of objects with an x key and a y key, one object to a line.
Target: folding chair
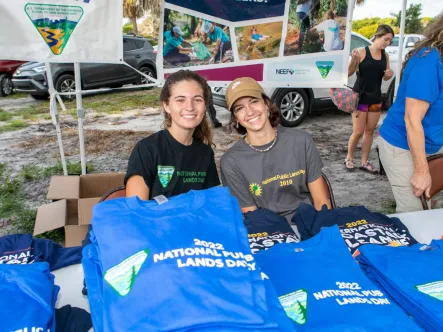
[
  {"x": 114, "y": 193},
  {"x": 328, "y": 188},
  {"x": 435, "y": 163}
]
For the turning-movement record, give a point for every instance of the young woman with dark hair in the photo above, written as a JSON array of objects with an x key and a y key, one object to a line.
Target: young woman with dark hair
[
  {"x": 180, "y": 157},
  {"x": 373, "y": 67},
  {"x": 271, "y": 167}
]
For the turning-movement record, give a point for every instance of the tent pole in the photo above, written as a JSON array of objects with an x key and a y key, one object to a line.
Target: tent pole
[
  {"x": 80, "y": 115},
  {"x": 54, "y": 115},
  {"x": 400, "y": 47}
]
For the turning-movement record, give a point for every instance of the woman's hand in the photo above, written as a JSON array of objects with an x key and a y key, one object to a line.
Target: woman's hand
[
  {"x": 355, "y": 56},
  {"x": 421, "y": 183},
  {"x": 388, "y": 74}
]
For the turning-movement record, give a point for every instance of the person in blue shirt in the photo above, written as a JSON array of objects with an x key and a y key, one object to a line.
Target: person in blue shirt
[
  {"x": 219, "y": 36},
  {"x": 413, "y": 127},
  {"x": 173, "y": 51},
  {"x": 257, "y": 36}
]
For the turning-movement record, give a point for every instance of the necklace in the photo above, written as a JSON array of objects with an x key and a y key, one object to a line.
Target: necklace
[{"x": 265, "y": 150}]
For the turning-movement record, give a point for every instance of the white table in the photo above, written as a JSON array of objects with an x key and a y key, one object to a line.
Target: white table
[{"x": 424, "y": 226}]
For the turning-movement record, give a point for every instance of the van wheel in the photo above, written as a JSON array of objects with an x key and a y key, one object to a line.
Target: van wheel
[{"x": 293, "y": 105}]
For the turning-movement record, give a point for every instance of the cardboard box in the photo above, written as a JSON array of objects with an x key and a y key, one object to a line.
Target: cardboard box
[{"x": 73, "y": 200}]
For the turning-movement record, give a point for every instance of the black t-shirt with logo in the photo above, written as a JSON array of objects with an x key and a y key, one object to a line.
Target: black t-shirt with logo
[
  {"x": 266, "y": 229},
  {"x": 357, "y": 225},
  {"x": 170, "y": 168}
]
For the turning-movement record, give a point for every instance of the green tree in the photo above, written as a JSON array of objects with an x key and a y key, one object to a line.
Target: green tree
[
  {"x": 413, "y": 22},
  {"x": 132, "y": 11}
]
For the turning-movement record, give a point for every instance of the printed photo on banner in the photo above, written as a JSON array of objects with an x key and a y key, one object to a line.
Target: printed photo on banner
[
  {"x": 259, "y": 41},
  {"x": 316, "y": 26},
  {"x": 193, "y": 41}
]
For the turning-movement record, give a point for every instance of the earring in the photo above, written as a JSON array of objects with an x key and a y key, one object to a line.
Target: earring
[
  {"x": 269, "y": 114},
  {"x": 236, "y": 126}
]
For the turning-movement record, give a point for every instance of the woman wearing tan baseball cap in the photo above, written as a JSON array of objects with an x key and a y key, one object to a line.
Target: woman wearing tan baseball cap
[{"x": 272, "y": 166}]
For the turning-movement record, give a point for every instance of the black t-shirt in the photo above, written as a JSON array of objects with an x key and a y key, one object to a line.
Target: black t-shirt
[
  {"x": 357, "y": 225},
  {"x": 170, "y": 168},
  {"x": 266, "y": 229}
]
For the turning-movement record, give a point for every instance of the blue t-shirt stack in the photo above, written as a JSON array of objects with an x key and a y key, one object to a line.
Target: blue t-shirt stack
[
  {"x": 322, "y": 288},
  {"x": 181, "y": 265},
  {"x": 413, "y": 276},
  {"x": 28, "y": 296}
]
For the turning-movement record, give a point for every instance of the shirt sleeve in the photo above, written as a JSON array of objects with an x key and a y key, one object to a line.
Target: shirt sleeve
[
  {"x": 314, "y": 163},
  {"x": 423, "y": 82},
  {"x": 141, "y": 163},
  {"x": 212, "y": 179},
  {"x": 231, "y": 178},
  {"x": 320, "y": 27}
]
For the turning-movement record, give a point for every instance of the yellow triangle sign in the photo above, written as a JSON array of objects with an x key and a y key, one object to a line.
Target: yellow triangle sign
[{"x": 55, "y": 23}]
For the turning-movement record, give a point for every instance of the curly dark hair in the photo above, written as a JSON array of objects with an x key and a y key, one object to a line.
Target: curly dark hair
[
  {"x": 274, "y": 118},
  {"x": 203, "y": 132}
]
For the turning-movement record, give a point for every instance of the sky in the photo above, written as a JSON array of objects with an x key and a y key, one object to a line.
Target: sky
[{"x": 383, "y": 8}]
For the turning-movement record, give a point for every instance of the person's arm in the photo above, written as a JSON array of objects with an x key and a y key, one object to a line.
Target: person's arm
[
  {"x": 140, "y": 172},
  {"x": 415, "y": 112},
  {"x": 186, "y": 50},
  {"x": 314, "y": 178},
  {"x": 197, "y": 29},
  {"x": 356, "y": 56},
  {"x": 422, "y": 89},
  {"x": 136, "y": 186},
  {"x": 388, "y": 72},
  {"x": 319, "y": 195},
  {"x": 232, "y": 178}
]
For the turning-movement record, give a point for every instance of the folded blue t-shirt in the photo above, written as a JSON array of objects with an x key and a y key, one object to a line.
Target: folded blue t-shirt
[
  {"x": 322, "y": 288},
  {"x": 188, "y": 258},
  {"x": 266, "y": 229},
  {"x": 27, "y": 298},
  {"x": 24, "y": 249},
  {"x": 413, "y": 276}
]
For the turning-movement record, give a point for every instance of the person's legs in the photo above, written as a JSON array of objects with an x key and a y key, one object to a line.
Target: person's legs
[
  {"x": 399, "y": 167},
  {"x": 368, "y": 137},
  {"x": 175, "y": 57},
  {"x": 358, "y": 127},
  {"x": 305, "y": 24},
  {"x": 227, "y": 46}
]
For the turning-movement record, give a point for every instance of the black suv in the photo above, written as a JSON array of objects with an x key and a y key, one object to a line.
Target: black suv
[{"x": 137, "y": 52}]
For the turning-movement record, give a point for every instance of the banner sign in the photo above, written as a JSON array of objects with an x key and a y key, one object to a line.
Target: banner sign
[
  {"x": 282, "y": 43},
  {"x": 61, "y": 30}
]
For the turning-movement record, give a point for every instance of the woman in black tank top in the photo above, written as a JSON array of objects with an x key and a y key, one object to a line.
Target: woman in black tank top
[{"x": 373, "y": 66}]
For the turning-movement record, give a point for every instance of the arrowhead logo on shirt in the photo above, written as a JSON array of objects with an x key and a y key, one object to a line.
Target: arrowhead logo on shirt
[
  {"x": 122, "y": 276},
  {"x": 434, "y": 289},
  {"x": 324, "y": 67},
  {"x": 165, "y": 174},
  {"x": 295, "y": 305}
]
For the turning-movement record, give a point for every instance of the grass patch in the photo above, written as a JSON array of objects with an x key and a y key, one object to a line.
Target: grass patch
[
  {"x": 46, "y": 116},
  {"x": 13, "y": 206},
  {"x": 5, "y": 116},
  {"x": 14, "y": 125},
  {"x": 17, "y": 95},
  {"x": 31, "y": 172},
  {"x": 73, "y": 169}
]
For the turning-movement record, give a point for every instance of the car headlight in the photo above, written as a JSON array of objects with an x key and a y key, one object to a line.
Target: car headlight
[{"x": 40, "y": 69}]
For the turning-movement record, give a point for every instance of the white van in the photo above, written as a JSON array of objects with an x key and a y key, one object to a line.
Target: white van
[{"x": 296, "y": 103}]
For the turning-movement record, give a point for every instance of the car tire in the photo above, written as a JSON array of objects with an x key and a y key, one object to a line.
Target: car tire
[
  {"x": 40, "y": 97},
  {"x": 390, "y": 97},
  {"x": 6, "y": 87},
  {"x": 293, "y": 105},
  {"x": 146, "y": 70},
  {"x": 66, "y": 83}
]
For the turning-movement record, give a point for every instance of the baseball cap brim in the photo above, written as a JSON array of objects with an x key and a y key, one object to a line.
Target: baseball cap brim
[{"x": 243, "y": 93}]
